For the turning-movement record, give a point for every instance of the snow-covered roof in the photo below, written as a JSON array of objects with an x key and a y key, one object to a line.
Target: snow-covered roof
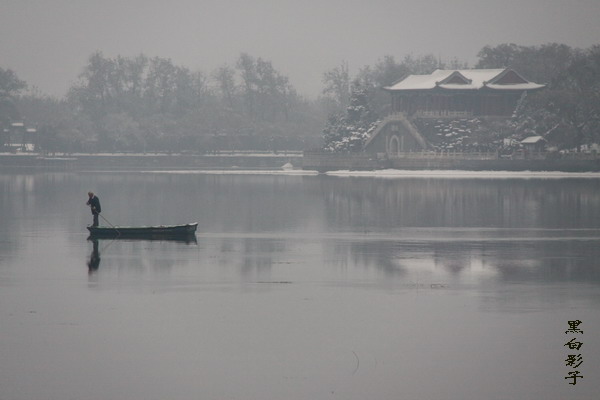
[
  {"x": 466, "y": 79},
  {"x": 533, "y": 140}
]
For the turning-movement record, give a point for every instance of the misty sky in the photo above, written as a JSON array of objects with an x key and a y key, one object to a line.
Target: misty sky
[{"x": 47, "y": 42}]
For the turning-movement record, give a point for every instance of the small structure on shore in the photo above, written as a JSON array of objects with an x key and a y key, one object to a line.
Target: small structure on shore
[
  {"x": 19, "y": 137},
  {"x": 534, "y": 144}
]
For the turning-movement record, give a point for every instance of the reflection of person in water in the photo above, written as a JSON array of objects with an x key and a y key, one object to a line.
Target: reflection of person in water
[{"x": 94, "y": 262}]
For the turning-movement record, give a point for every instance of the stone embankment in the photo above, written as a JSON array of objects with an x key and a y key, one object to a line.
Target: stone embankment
[
  {"x": 87, "y": 162},
  {"x": 323, "y": 162},
  {"x": 317, "y": 161}
]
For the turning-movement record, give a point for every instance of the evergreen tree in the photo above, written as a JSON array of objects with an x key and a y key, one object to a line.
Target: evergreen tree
[
  {"x": 349, "y": 131},
  {"x": 567, "y": 113}
]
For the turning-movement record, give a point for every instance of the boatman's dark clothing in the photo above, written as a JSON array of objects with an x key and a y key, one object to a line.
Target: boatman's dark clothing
[{"x": 94, "y": 203}]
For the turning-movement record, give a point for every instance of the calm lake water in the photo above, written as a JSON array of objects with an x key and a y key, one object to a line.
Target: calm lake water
[{"x": 300, "y": 287}]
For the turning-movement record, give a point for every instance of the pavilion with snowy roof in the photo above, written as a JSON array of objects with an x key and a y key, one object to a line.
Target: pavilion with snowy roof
[
  {"x": 460, "y": 93},
  {"x": 447, "y": 96}
]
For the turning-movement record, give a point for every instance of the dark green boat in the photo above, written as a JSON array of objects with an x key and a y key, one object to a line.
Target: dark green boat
[{"x": 161, "y": 231}]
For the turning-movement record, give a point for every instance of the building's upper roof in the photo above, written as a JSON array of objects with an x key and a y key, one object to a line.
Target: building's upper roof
[
  {"x": 533, "y": 140},
  {"x": 466, "y": 79}
]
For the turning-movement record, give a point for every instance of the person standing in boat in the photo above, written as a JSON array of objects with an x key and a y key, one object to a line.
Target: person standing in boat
[{"x": 94, "y": 203}]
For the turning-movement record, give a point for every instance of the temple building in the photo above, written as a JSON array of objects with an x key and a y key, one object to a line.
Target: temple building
[
  {"x": 460, "y": 93},
  {"x": 444, "y": 104}
]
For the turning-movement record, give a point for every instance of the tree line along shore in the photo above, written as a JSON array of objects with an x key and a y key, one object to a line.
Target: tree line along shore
[{"x": 149, "y": 104}]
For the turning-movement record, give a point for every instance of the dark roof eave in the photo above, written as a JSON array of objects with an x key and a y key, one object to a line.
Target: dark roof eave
[{"x": 489, "y": 89}]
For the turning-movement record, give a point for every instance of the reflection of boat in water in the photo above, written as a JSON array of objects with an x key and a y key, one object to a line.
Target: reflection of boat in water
[{"x": 184, "y": 233}]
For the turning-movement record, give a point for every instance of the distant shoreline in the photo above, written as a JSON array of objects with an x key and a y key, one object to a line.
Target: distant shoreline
[
  {"x": 284, "y": 160},
  {"x": 152, "y": 161}
]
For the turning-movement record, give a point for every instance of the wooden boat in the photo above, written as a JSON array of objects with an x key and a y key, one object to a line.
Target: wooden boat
[
  {"x": 161, "y": 231},
  {"x": 187, "y": 239}
]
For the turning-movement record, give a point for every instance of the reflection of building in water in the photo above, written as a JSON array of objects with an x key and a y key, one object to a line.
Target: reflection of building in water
[
  {"x": 566, "y": 259},
  {"x": 255, "y": 256},
  {"x": 383, "y": 256},
  {"x": 361, "y": 203},
  {"x": 468, "y": 229}
]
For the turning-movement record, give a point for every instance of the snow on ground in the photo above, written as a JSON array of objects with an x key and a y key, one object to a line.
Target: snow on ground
[
  {"x": 394, "y": 173},
  {"x": 234, "y": 172}
]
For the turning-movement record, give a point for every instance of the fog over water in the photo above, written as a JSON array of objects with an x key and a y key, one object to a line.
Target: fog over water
[
  {"x": 299, "y": 286},
  {"x": 48, "y": 42}
]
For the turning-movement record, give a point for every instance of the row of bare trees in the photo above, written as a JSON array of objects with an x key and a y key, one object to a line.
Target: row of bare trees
[{"x": 151, "y": 104}]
